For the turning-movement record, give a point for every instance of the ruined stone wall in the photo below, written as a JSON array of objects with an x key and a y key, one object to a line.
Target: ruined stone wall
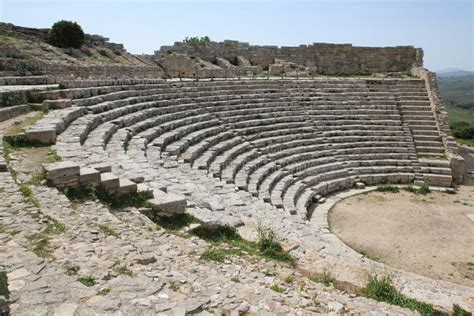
[
  {"x": 334, "y": 59},
  {"x": 25, "y": 67}
]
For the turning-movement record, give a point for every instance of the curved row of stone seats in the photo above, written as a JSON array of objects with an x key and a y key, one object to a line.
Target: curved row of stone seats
[
  {"x": 67, "y": 84},
  {"x": 253, "y": 133},
  {"x": 27, "y": 80}
]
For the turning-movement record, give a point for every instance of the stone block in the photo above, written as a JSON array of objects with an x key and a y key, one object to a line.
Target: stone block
[
  {"x": 57, "y": 104},
  {"x": 102, "y": 167},
  {"x": 145, "y": 189},
  {"x": 167, "y": 203},
  {"x": 89, "y": 176},
  {"x": 109, "y": 182},
  {"x": 62, "y": 169},
  {"x": 45, "y": 135},
  {"x": 126, "y": 187}
]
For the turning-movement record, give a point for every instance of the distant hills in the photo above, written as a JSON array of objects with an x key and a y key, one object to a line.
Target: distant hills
[
  {"x": 454, "y": 72},
  {"x": 457, "y": 89}
]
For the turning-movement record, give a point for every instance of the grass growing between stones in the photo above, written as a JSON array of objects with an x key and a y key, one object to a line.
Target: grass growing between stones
[
  {"x": 87, "y": 280},
  {"x": 325, "y": 279},
  {"x": 110, "y": 201},
  {"x": 277, "y": 288},
  {"x": 226, "y": 242},
  {"x": 382, "y": 290},
  {"x": 108, "y": 230},
  {"x": 39, "y": 244},
  {"x": 28, "y": 194},
  {"x": 122, "y": 269}
]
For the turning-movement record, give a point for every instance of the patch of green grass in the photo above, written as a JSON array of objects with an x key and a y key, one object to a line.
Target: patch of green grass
[
  {"x": 235, "y": 279},
  {"x": 7, "y": 151},
  {"x": 4, "y": 282},
  {"x": 18, "y": 126},
  {"x": 324, "y": 279},
  {"x": 54, "y": 227},
  {"x": 382, "y": 290},
  {"x": 87, "y": 280},
  {"x": 28, "y": 194},
  {"x": 232, "y": 244},
  {"x": 122, "y": 268},
  {"x": 289, "y": 279},
  {"x": 108, "y": 230},
  {"x": 277, "y": 288},
  {"x": 37, "y": 177},
  {"x": 53, "y": 156},
  {"x": 424, "y": 189},
  {"x": 39, "y": 244},
  {"x": 271, "y": 248},
  {"x": 387, "y": 188}
]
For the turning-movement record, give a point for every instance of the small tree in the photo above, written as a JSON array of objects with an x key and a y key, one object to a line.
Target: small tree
[{"x": 66, "y": 34}]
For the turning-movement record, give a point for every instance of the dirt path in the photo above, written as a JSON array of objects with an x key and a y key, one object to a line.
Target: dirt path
[{"x": 431, "y": 235}]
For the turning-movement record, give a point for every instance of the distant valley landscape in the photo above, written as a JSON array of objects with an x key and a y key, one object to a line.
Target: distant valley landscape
[{"x": 457, "y": 90}]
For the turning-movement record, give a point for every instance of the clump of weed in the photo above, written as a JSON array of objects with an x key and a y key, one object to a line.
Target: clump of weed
[
  {"x": 424, "y": 189},
  {"x": 87, "y": 280},
  {"x": 450, "y": 191},
  {"x": 108, "y": 230},
  {"x": 382, "y": 289},
  {"x": 277, "y": 288},
  {"x": 122, "y": 268},
  {"x": 40, "y": 245},
  {"x": 270, "y": 247},
  {"x": 324, "y": 279},
  {"x": 387, "y": 188}
]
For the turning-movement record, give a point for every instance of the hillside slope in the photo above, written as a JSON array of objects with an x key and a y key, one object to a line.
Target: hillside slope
[{"x": 25, "y": 51}]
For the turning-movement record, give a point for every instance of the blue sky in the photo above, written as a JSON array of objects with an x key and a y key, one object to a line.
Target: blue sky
[{"x": 444, "y": 29}]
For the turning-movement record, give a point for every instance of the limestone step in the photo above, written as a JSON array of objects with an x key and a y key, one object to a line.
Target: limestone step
[
  {"x": 434, "y": 163},
  {"x": 438, "y": 180},
  {"x": 435, "y": 170},
  {"x": 167, "y": 203}
]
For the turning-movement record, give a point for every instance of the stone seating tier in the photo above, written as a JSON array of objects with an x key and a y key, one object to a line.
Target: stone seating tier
[{"x": 285, "y": 141}]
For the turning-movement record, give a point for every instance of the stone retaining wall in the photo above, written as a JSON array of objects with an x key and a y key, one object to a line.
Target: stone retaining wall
[
  {"x": 441, "y": 115},
  {"x": 340, "y": 59}
]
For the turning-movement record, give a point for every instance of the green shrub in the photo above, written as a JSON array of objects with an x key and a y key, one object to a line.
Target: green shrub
[
  {"x": 462, "y": 130},
  {"x": 382, "y": 290},
  {"x": 197, "y": 40},
  {"x": 66, "y": 34}
]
